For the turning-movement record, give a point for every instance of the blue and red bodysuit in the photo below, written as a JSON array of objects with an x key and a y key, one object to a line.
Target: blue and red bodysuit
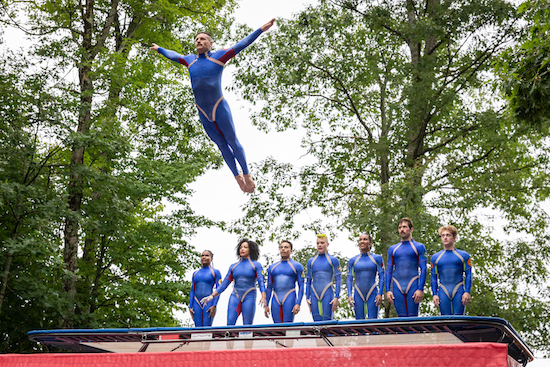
[
  {"x": 202, "y": 283},
  {"x": 451, "y": 278},
  {"x": 245, "y": 273},
  {"x": 281, "y": 282},
  {"x": 322, "y": 272},
  {"x": 364, "y": 268},
  {"x": 404, "y": 261},
  {"x": 205, "y": 71}
]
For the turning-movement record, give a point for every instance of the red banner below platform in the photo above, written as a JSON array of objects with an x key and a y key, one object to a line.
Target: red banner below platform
[{"x": 456, "y": 355}]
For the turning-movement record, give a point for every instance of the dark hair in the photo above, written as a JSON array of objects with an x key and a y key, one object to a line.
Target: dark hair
[
  {"x": 253, "y": 248},
  {"x": 211, "y": 253},
  {"x": 406, "y": 220},
  {"x": 287, "y": 241}
]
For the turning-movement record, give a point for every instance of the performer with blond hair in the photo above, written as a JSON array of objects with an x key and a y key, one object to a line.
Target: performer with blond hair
[
  {"x": 323, "y": 271},
  {"x": 451, "y": 275}
]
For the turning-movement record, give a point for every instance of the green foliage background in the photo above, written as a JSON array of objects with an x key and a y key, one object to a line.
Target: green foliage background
[
  {"x": 404, "y": 115},
  {"x": 430, "y": 109},
  {"x": 96, "y": 139}
]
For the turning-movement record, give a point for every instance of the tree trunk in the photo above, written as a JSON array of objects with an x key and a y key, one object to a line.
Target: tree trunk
[{"x": 75, "y": 189}]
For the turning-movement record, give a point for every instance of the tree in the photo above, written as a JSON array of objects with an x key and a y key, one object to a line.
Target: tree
[
  {"x": 121, "y": 145},
  {"x": 524, "y": 68},
  {"x": 401, "y": 120},
  {"x": 98, "y": 40},
  {"x": 30, "y": 202}
]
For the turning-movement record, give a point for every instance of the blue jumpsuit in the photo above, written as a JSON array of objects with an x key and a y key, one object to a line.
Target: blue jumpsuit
[
  {"x": 451, "y": 278},
  {"x": 281, "y": 282},
  {"x": 205, "y": 71},
  {"x": 201, "y": 286},
  {"x": 404, "y": 260},
  {"x": 322, "y": 272},
  {"x": 245, "y": 273},
  {"x": 364, "y": 268}
]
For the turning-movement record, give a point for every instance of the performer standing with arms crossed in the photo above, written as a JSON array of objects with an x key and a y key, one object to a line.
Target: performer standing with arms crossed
[
  {"x": 245, "y": 273},
  {"x": 407, "y": 272},
  {"x": 281, "y": 282},
  {"x": 205, "y": 70},
  {"x": 322, "y": 272},
  {"x": 451, "y": 275},
  {"x": 363, "y": 268},
  {"x": 201, "y": 286}
]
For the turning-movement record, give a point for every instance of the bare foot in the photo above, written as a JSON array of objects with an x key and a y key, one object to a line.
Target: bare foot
[
  {"x": 241, "y": 182},
  {"x": 250, "y": 185}
]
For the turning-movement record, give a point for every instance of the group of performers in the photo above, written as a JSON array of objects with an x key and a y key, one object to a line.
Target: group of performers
[{"x": 403, "y": 278}]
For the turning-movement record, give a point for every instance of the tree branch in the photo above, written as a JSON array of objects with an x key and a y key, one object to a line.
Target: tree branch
[{"x": 350, "y": 99}]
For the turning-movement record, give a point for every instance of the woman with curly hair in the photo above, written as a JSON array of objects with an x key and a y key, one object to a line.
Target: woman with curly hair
[{"x": 245, "y": 273}]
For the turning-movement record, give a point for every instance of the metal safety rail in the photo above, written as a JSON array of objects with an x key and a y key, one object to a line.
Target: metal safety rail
[{"x": 465, "y": 329}]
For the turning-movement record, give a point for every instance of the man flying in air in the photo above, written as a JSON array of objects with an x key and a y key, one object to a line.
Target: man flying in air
[{"x": 205, "y": 71}]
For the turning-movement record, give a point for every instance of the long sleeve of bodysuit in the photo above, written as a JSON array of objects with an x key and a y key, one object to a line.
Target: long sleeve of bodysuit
[
  {"x": 269, "y": 288},
  {"x": 308, "y": 280},
  {"x": 349, "y": 280},
  {"x": 192, "y": 293},
  {"x": 300, "y": 276},
  {"x": 381, "y": 273},
  {"x": 218, "y": 282},
  {"x": 259, "y": 276},
  {"x": 423, "y": 265},
  {"x": 337, "y": 276}
]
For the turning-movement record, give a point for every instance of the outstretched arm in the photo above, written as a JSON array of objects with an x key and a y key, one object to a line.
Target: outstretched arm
[
  {"x": 169, "y": 54},
  {"x": 241, "y": 45},
  {"x": 268, "y": 25}
]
